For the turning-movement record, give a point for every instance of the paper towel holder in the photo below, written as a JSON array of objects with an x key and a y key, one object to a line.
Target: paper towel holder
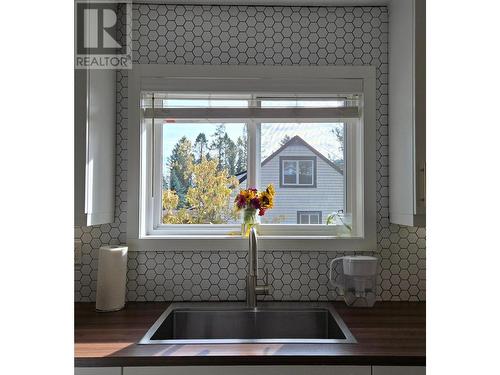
[{"x": 111, "y": 278}]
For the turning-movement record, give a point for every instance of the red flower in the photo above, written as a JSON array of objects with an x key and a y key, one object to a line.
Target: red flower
[
  {"x": 240, "y": 201},
  {"x": 255, "y": 203},
  {"x": 262, "y": 211}
]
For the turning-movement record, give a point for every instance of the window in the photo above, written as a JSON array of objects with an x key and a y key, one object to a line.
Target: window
[
  {"x": 309, "y": 217},
  {"x": 203, "y": 139},
  {"x": 298, "y": 171},
  {"x": 201, "y": 163}
]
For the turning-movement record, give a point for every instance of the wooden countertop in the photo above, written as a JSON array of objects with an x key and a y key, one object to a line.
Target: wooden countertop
[{"x": 390, "y": 333}]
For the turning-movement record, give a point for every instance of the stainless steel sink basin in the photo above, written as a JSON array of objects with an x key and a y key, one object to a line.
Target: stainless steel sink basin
[{"x": 224, "y": 323}]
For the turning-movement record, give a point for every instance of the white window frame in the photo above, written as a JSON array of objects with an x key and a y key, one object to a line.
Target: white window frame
[
  {"x": 318, "y": 80},
  {"x": 308, "y": 214},
  {"x": 297, "y": 172}
]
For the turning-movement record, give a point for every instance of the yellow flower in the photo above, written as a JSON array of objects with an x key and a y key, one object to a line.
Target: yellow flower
[
  {"x": 266, "y": 200},
  {"x": 270, "y": 190},
  {"x": 251, "y": 198},
  {"x": 248, "y": 194}
]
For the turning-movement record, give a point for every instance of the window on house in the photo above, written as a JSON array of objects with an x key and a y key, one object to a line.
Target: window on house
[
  {"x": 298, "y": 171},
  {"x": 202, "y": 148},
  {"x": 309, "y": 217}
]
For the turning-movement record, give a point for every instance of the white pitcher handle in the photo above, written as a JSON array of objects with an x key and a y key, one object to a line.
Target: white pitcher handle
[{"x": 334, "y": 283}]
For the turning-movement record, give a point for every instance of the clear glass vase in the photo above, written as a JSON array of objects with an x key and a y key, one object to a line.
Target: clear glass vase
[{"x": 248, "y": 220}]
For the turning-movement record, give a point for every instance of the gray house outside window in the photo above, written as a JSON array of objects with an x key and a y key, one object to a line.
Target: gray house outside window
[{"x": 309, "y": 186}]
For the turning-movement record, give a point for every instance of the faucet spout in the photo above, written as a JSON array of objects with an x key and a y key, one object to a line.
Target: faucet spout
[{"x": 252, "y": 288}]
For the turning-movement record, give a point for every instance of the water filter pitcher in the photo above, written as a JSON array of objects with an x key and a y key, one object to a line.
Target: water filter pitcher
[{"x": 358, "y": 282}]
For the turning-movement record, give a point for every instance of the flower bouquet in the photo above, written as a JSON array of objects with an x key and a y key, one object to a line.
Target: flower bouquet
[{"x": 250, "y": 202}]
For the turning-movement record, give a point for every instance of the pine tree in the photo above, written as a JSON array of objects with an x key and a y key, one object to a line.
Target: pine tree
[
  {"x": 338, "y": 132},
  {"x": 177, "y": 186},
  {"x": 200, "y": 146},
  {"x": 230, "y": 155},
  {"x": 285, "y": 139},
  {"x": 217, "y": 144},
  {"x": 180, "y": 162},
  {"x": 242, "y": 143},
  {"x": 241, "y": 164}
]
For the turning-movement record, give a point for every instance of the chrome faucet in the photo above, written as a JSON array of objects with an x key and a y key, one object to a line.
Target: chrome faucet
[{"x": 253, "y": 290}]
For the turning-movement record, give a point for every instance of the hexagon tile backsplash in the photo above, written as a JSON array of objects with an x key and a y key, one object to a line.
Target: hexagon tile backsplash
[{"x": 174, "y": 34}]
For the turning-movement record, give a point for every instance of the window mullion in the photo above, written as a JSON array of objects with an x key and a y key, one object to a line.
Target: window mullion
[{"x": 253, "y": 154}]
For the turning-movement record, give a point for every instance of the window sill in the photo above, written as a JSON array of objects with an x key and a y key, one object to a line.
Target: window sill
[{"x": 239, "y": 243}]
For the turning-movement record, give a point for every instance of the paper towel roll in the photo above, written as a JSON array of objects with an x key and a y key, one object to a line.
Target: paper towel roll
[{"x": 111, "y": 278}]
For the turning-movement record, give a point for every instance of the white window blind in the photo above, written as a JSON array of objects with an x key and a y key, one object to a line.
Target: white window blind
[{"x": 188, "y": 108}]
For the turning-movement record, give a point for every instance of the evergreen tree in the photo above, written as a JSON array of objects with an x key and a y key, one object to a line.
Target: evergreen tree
[
  {"x": 242, "y": 144},
  {"x": 218, "y": 143},
  {"x": 180, "y": 162},
  {"x": 177, "y": 186},
  {"x": 338, "y": 132},
  {"x": 241, "y": 164},
  {"x": 285, "y": 139},
  {"x": 201, "y": 146},
  {"x": 230, "y": 155}
]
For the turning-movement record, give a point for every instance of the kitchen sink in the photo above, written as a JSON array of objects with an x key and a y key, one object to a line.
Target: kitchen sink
[{"x": 270, "y": 322}]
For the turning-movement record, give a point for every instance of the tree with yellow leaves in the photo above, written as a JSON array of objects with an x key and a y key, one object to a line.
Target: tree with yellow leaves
[
  {"x": 208, "y": 199},
  {"x": 170, "y": 202},
  {"x": 210, "y": 195}
]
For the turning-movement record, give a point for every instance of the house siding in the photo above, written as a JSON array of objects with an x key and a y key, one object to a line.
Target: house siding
[{"x": 327, "y": 196}]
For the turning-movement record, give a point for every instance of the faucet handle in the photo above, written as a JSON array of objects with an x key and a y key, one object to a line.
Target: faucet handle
[
  {"x": 266, "y": 276},
  {"x": 263, "y": 289}
]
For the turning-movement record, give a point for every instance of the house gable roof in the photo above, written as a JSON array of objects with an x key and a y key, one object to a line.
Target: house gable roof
[{"x": 296, "y": 140}]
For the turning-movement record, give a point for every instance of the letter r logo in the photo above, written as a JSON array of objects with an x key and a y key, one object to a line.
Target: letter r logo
[{"x": 97, "y": 29}]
